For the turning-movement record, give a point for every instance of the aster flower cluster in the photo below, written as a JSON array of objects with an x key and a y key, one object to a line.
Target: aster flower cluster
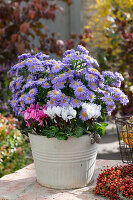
[{"x": 73, "y": 87}]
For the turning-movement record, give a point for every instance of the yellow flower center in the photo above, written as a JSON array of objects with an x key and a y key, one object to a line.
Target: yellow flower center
[
  {"x": 84, "y": 114},
  {"x": 55, "y": 78},
  {"x": 79, "y": 89},
  {"x": 41, "y": 79},
  {"x": 21, "y": 103},
  {"x": 62, "y": 83},
  {"x": 116, "y": 96},
  {"x": 68, "y": 55},
  {"x": 69, "y": 71},
  {"x": 94, "y": 70},
  {"x": 51, "y": 102},
  {"x": 46, "y": 84},
  {"x": 11, "y": 82},
  {"x": 17, "y": 84},
  {"x": 53, "y": 99},
  {"x": 64, "y": 101},
  {"x": 63, "y": 96},
  {"x": 116, "y": 90},
  {"x": 39, "y": 66},
  {"x": 29, "y": 77},
  {"x": 51, "y": 75},
  {"x": 111, "y": 106},
  {"x": 49, "y": 92},
  {"x": 75, "y": 101},
  {"x": 14, "y": 102},
  {"x": 29, "y": 61},
  {"x": 28, "y": 98},
  {"x": 91, "y": 76},
  {"x": 89, "y": 57},
  {"x": 57, "y": 85},
  {"x": 92, "y": 96},
  {"x": 108, "y": 99},
  {"x": 79, "y": 56},
  {"x": 93, "y": 84},
  {"x": 56, "y": 92},
  {"x": 31, "y": 91},
  {"x": 56, "y": 67},
  {"x": 62, "y": 75},
  {"x": 33, "y": 67},
  {"x": 16, "y": 93},
  {"x": 76, "y": 83},
  {"x": 22, "y": 95},
  {"x": 123, "y": 97},
  {"x": 22, "y": 62},
  {"x": 106, "y": 92}
]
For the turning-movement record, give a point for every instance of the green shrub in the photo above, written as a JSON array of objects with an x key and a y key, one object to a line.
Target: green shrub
[{"x": 14, "y": 149}]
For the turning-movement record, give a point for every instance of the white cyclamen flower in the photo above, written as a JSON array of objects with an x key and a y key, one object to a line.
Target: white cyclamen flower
[
  {"x": 92, "y": 110},
  {"x": 66, "y": 113}
]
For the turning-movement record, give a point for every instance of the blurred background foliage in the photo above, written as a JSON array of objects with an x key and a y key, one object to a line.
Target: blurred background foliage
[
  {"x": 111, "y": 24},
  {"x": 14, "y": 149}
]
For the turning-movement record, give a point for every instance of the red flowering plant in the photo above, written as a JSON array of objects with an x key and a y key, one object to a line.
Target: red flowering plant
[{"x": 116, "y": 183}]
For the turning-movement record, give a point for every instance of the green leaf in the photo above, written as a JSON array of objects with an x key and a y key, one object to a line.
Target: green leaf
[
  {"x": 99, "y": 128},
  {"x": 78, "y": 131},
  {"x": 61, "y": 137}
]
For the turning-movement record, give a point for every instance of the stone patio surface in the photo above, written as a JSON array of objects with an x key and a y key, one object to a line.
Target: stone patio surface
[{"x": 22, "y": 185}]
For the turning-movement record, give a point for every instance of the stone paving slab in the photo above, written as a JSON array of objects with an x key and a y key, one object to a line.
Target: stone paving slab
[{"x": 22, "y": 185}]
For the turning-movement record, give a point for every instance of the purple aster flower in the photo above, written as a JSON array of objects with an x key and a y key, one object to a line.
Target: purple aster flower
[
  {"x": 81, "y": 92},
  {"x": 119, "y": 76},
  {"x": 41, "y": 81},
  {"x": 28, "y": 99},
  {"x": 14, "y": 103},
  {"x": 22, "y": 97},
  {"x": 56, "y": 94},
  {"x": 101, "y": 83},
  {"x": 92, "y": 70},
  {"x": 51, "y": 76},
  {"x": 30, "y": 77},
  {"x": 41, "y": 56},
  {"x": 63, "y": 77},
  {"x": 75, "y": 83},
  {"x": 22, "y": 104},
  {"x": 32, "y": 92},
  {"x": 59, "y": 85},
  {"x": 69, "y": 52},
  {"x": 57, "y": 67},
  {"x": 90, "y": 77},
  {"x": 75, "y": 103},
  {"x": 110, "y": 108},
  {"x": 108, "y": 100},
  {"x": 52, "y": 103},
  {"x": 82, "y": 49},
  {"x": 65, "y": 101},
  {"x": 29, "y": 84},
  {"x": 124, "y": 99},
  {"x": 46, "y": 85},
  {"x": 55, "y": 80},
  {"x": 91, "y": 96},
  {"x": 24, "y": 55},
  {"x": 93, "y": 85},
  {"x": 12, "y": 84},
  {"x": 83, "y": 115}
]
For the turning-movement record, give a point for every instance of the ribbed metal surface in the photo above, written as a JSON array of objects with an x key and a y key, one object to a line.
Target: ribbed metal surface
[{"x": 63, "y": 164}]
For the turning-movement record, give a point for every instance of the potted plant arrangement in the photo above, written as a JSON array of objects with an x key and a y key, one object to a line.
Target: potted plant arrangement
[{"x": 64, "y": 104}]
